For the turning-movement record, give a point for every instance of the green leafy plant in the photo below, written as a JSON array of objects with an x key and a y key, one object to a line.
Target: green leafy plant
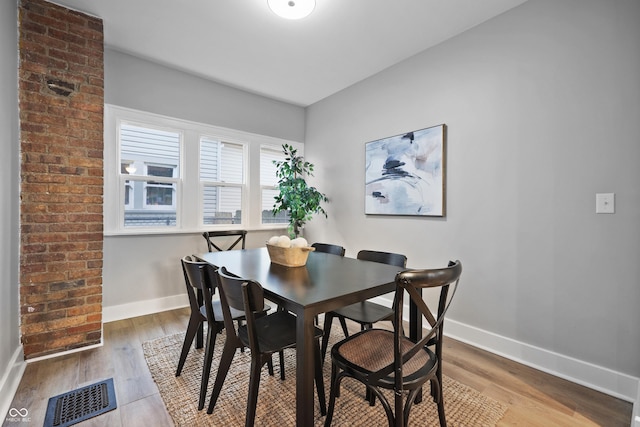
[{"x": 296, "y": 198}]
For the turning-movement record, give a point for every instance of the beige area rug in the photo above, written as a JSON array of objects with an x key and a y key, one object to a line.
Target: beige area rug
[{"x": 276, "y": 400}]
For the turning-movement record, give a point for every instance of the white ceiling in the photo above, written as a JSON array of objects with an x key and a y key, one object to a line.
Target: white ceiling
[{"x": 241, "y": 43}]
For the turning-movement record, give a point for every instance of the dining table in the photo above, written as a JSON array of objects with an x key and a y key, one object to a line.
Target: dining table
[{"x": 325, "y": 283}]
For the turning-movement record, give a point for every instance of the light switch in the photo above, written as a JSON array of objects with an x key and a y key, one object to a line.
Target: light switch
[{"x": 605, "y": 203}]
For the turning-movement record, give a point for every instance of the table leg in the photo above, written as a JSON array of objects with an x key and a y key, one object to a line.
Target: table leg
[{"x": 304, "y": 369}]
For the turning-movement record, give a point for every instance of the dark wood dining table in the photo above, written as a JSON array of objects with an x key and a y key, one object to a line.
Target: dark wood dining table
[{"x": 326, "y": 283}]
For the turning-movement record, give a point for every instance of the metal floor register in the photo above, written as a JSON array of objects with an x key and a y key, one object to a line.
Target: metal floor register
[{"x": 78, "y": 405}]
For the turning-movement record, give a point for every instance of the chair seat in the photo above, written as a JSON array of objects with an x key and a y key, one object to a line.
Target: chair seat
[
  {"x": 366, "y": 312},
  {"x": 275, "y": 331},
  {"x": 371, "y": 350}
]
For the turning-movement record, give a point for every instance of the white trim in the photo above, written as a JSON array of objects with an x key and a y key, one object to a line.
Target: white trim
[
  {"x": 616, "y": 384},
  {"x": 11, "y": 380},
  {"x": 142, "y": 308},
  {"x": 64, "y": 353},
  {"x": 635, "y": 417},
  {"x": 605, "y": 380}
]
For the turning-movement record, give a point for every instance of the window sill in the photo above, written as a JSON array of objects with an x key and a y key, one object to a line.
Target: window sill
[{"x": 156, "y": 232}]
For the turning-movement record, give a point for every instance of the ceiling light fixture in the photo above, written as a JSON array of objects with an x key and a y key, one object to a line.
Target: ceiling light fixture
[{"x": 292, "y": 9}]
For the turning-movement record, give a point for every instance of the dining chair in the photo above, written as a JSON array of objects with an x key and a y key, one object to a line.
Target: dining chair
[
  {"x": 383, "y": 359},
  {"x": 366, "y": 313},
  {"x": 329, "y": 248},
  {"x": 200, "y": 278},
  {"x": 264, "y": 334},
  {"x": 209, "y": 236}
]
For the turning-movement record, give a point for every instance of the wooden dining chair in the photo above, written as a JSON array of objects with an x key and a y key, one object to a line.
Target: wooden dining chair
[
  {"x": 200, "y": 277},
  {"x": 366, "y": 313},
  {"x": 209, "y": 236},
  {"x": 383, "y": 359},
  {"x": 262, "y": 334},
  {"x": 329, "y": 248}
]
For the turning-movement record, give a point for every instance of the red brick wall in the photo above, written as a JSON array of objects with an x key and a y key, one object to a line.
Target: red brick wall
[{"x": 61, "y": 96}]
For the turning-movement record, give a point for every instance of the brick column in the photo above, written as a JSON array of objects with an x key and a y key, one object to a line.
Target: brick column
[{"x": 61, "y": 97}]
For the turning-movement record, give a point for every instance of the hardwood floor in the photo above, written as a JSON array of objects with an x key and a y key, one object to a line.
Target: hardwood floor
[{"x": 533, "y": 397}]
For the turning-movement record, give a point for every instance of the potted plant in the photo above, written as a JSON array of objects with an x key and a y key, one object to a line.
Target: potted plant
[{"x": 299, "y": 200}]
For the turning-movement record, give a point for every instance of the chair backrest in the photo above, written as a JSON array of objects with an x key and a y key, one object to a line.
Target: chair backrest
[
  {"x": 413, "y": 281},
  {"x": 243, "y": 295},
  {"x": 201, "y": 276},
  {"x": 241, "y": 236},
  {"x": 398, "y": 260},
  {"x": 329, "y": 248}
]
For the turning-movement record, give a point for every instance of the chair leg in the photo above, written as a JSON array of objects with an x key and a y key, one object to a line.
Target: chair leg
[
  {"x": 281, "y": 356},
  {"x": 333, "y": 393},
  {"x": 441, "y": 416},
  {"x": 206, "y": 366},
  {"x": 320, "y": 381},
  {"x": 328, "y": 320},
  {"x": 192, "y": 329},
  {"x": 343, "y": 323},
  {"x": 270, "y": 367},
  {"x": 254, "y": 385},
  {"x": 370, "y": 397},
  {"x": 200, "y": 335},
  {"x": 223, "y": 367},
  {"x": 242, "y": 348},
  {"x": 411, "y": 398}
]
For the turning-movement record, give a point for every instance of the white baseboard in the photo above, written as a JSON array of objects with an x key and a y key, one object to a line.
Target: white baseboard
[
  {"x": 613, "y": 383},
  {"x": 635, "y": 420},
  {"x": 142, "y": 308},
  {"x": 66, "y": 352},
  {"x": 11, "y": 380}
]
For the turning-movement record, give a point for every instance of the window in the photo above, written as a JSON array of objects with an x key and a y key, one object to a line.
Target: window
[
  {"x": 269, "y": 184},
  {"x": 149, "y": 152},
  {"x": 222, "y": 178},
  {"x": 164, "y": 175},
  {"x": 158, "y": 194}
]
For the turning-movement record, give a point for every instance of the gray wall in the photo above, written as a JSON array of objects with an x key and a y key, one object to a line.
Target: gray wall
[
  {"x": 9, "y": 184},
  {"x": 139, "y": 268},
  {"x": 543, "y": 111},
  {"x": 135, "y": 83}
]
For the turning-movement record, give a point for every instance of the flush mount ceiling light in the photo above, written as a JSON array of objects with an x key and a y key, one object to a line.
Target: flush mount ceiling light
[{"x": 292, "y": 9}]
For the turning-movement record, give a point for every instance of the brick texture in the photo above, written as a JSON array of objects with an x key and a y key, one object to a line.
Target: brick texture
[{"x": 61, "y": 95}]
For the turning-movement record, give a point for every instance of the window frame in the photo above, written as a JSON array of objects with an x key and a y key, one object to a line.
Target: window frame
[{"x": 188, "y": 186}]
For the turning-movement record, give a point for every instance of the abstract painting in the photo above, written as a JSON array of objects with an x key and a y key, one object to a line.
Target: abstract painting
[{"x": 405, "y": 173}]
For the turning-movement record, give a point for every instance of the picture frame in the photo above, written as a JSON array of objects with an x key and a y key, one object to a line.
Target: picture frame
[{"x": 405, "y": 173}]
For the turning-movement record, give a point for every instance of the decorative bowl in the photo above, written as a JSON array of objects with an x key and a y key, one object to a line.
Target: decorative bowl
[{"x": 289, "y": 257}]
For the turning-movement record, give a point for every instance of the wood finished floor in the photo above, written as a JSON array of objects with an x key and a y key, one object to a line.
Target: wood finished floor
[{"x": 533, "y": 397}]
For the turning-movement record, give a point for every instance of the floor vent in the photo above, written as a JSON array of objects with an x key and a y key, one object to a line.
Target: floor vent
[{"x": 78, "y": 405}]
